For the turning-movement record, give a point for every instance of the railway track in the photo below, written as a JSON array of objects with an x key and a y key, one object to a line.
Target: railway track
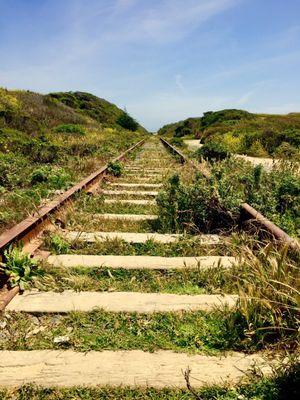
[{"x": 110, "y": 279}]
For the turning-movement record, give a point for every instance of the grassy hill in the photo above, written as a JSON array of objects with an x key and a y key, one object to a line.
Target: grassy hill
[
  {"x": 243, "y": 132},
  {"x": 92, "y": 106},
  {"x": 48, "y": 143}
]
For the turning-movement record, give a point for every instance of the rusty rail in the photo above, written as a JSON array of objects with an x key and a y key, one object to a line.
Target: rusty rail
[
  {"x": 249, "y": 212},
  {"x": 175, "y": 151},
  {"x": 32, "y": 226}
]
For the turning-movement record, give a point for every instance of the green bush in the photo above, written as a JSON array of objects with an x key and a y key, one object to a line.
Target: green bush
[
  {"x": 177, "y": 141},
  {"x": 214, "y": 204},
  {"x": 257, "y": 150},
  {"x": 56, "y": 178},
  {"x": 127, "y": 122},
  {"x": 213, "y": 151},
  {"x": 193, "y": 207},
  {"x": 286, "y": 150},
  {"x": 39, "y": 175},
  {"x": 115, "y": 168},
  {"x": 70, "y": 128}
]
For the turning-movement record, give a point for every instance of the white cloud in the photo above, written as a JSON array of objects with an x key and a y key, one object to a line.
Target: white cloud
[
  {"x": 173, "y": 19},
  {"x": 179, "y": 84}
]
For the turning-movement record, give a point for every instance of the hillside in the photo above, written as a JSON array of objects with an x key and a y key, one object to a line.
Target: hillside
[
  {"x": 243, "y": 132},
  {"x": 92, "y": 106},
  {"x": 46, "y": 145}
]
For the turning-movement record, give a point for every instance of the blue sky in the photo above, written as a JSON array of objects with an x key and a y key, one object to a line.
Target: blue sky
[{"x": 164, "y": 60}]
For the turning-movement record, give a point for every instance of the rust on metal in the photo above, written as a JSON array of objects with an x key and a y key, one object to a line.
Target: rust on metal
[
  {"x": 8, "y": 296},
  {"x": 34, "y": 225},
  {"x": 277, "y": 232},
  {"x": 183, "y": 159}
]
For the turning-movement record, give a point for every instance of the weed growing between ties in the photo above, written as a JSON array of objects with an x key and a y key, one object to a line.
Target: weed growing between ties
[
  {"x": 186, "y": 246},
  {"x": 19, "y": 269},
  {"x": 99, "y": 330},
  {"x": 188, "y": 281}
]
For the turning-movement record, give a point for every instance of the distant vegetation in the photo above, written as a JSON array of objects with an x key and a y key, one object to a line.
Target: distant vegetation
[
  {"x": 48, "y": 142},
  {"x": 98, "y": 109},
  {"x": 127, "y": 122},
  {"x": 260, "y": 135}
]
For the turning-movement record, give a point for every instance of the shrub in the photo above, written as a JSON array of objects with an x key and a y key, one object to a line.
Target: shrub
[
  {"x": 213, "y": 151},
  {"x": 178, "y": 133},
  {"x": 193, "y": 207},
  {"x": 286, "y": 150},
  {"x": 39, "y": 175},
  {"x": 215, "y": 203},
  {"x": 257, "y": 150},
  {"x": 56, "y": 178},
  {"x": 177, "y": 141},
  {"x": 70, "y": 128},
  {"x": 127, "y": 122},
  {"x": 182, "y": 130},
  {"x": 115, "y": 168}
]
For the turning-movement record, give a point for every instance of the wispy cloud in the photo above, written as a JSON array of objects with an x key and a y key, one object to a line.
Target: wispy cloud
[{"x": 179, "y": 84}]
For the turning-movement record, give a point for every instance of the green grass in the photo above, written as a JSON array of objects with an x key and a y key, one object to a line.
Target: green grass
[
  {"x": 193, "y": 332},
  {"x": 96, "y": 205},
  {"x": 211, "y": 281},
  {"x": 85, "y": 222},
  {"x": 189, "y": 247}
]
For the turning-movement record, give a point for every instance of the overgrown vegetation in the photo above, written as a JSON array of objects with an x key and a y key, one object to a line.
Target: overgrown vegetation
[
  {"x": 115, "y": 168},
  {"x": 214, "y": 204},
  {"x": 46, "y": 146},
  {"x": 127, "y": 122},
  {"x": 260, "y": 135},
  {"x": 213, "y": 151}
]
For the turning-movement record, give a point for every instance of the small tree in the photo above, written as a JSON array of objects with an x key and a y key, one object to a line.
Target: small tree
[{"x": 127, "y": 122}]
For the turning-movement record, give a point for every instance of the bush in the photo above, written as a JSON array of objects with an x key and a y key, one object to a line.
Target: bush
[
  {"x": 286, "y": 150},
  {"x": 39, "y": 175},
  {"x": 115, "y": 168},
  {"x": 193, "y": 207},
  {"x": 257, "y": 150},
  {"x": 177, "y": 141},
  {"x": 70, "y": 128},
  {"x": 56, "y": 178},
  {"x": 127, "y": 122},
  {"x": 213, "y": 151},
  {"x": 214, "y": 204}
]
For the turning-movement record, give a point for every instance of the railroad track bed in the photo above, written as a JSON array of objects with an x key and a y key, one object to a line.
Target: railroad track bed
[{"x": 121, "y": 302}]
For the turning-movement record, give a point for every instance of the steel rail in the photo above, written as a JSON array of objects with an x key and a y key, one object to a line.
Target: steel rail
[
  {"x": 32, "y": 226},
  {"x": 249, "y": 212}
]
